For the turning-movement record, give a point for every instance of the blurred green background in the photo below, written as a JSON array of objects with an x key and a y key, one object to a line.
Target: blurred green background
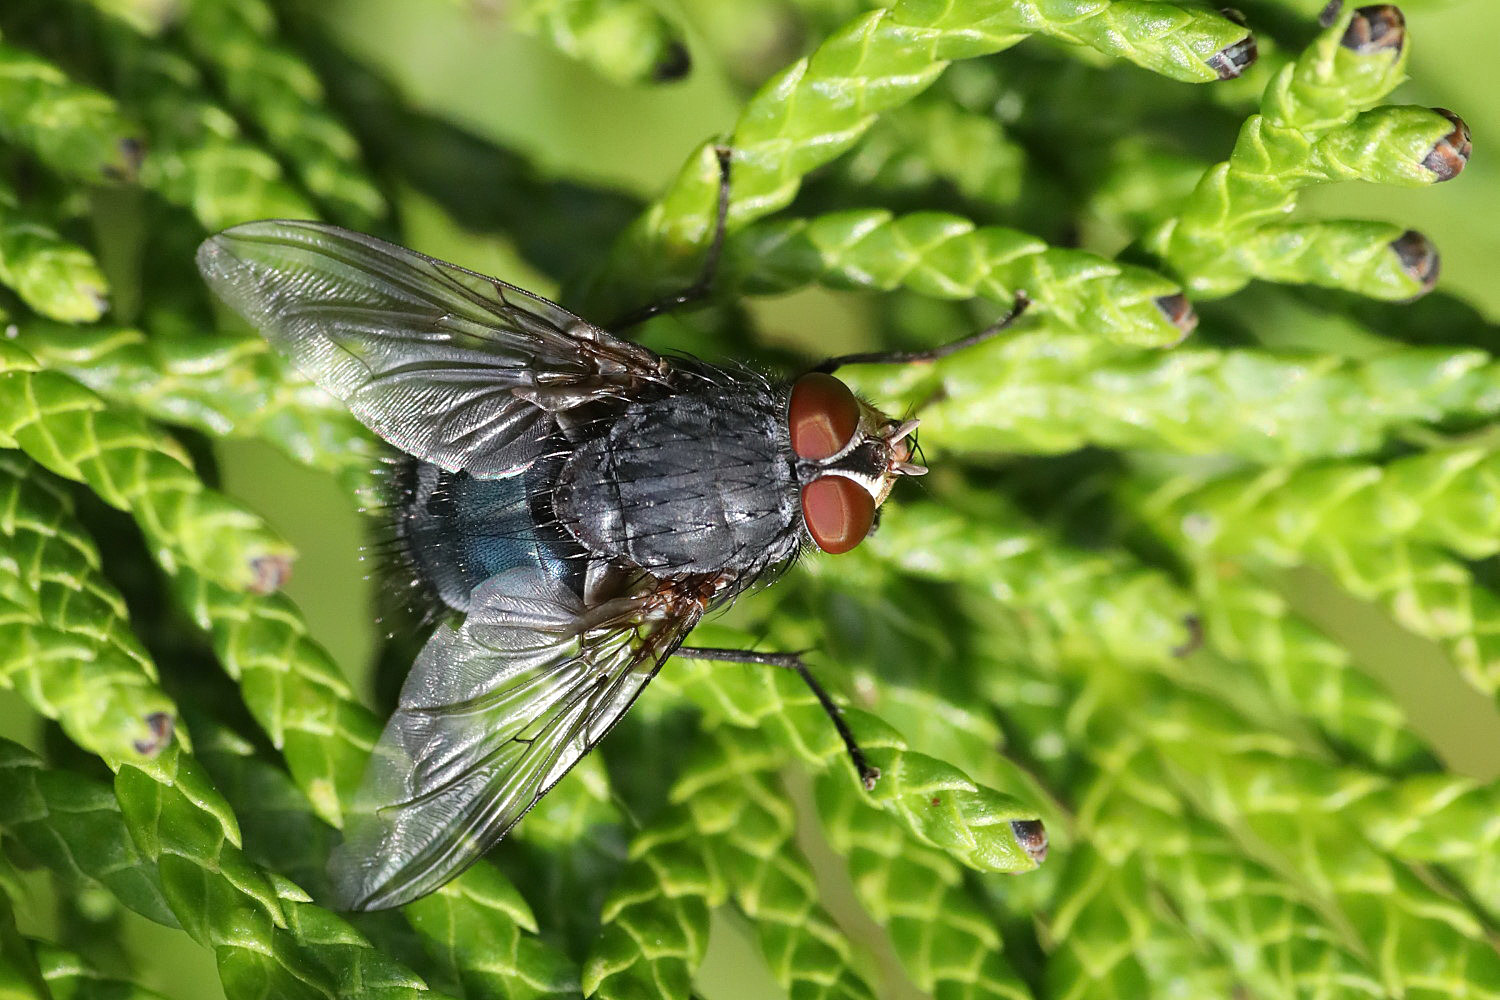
[{"x": 458, "y": 60}]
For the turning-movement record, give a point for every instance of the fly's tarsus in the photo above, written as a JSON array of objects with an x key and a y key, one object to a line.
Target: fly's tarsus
[
  {"x": 868, "y": 773},
  {"x": 705, "y": 280},
  {"x": 1018, "y": 308}
]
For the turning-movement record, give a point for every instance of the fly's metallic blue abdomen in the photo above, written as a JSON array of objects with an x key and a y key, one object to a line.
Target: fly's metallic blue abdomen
[
  {"x": 699, "y": 482},
  {"x": 457, "y": 531}
]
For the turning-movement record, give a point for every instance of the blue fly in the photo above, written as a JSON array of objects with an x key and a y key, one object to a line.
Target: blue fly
[{"x": 574, "y": 501}]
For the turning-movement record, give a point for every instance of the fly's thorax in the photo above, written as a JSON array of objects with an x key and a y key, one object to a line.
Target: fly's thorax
[{"x": 699, "y": 481}]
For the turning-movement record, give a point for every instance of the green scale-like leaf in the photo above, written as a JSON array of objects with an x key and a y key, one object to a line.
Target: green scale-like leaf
[
  {"x": 475, "y": 925},
  {"x": 1422, "y": 939},
  {"x": 225, "y": 384},
  {"x": 746, "y": 825},
  {"x": 477, "y": 930},
  {"x": 820, "y": 106},
  {"x": 70, "y": 977},
  {"x": 174, "y": 815},
  {"x": 1315, "y": 126},
  {"x": 134, "y": 467},
  {"x": 730, "y": 834},
  {"x": 931, "y": 141},
  {"x": 949, "y": 257},
  {"x": 283, "y": 97},
  {"x": 1381, "y": 530},
  {"x": 67, "y": 647},
  {"x": 948, "y": 945},
  {"x": 52, "y": 275},
  {"x": 654, "y": 924},
  {"x": 197, "y": 156},
  {"x": 75, "y": 829},
  {"x": 1440, "y": 819},
  {"x": 628, "y": 41},
  {"x": 1104, "y": 605},
  {"x": 73, "y": 129},
  {"x": 1047, "y": 391},
  {"x": 969, "y": 821}
]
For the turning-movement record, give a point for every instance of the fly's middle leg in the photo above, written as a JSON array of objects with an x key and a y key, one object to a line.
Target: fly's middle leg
[
  {"x": 705, "y": 280},
  {"x": 868, "y": 774}
]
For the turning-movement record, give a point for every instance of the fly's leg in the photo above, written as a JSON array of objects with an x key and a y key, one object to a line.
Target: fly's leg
[
  {"x": 699, "y": 288},
  {"x": 923, "y": 357},
  {"x": 868, "y": 774}
]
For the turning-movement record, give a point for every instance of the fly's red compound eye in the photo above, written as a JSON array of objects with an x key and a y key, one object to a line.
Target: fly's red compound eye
[
  {"x": 839, "y": 512},
  {"x": 823, "y": 416}
]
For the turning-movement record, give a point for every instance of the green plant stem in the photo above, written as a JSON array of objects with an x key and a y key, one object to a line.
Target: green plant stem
[
  {"x": 1315, "y": 126},
  {"x": 948, "y": 257},
  {"x": 1047, "y": 391},
  {"x": 821, "y": 106}
]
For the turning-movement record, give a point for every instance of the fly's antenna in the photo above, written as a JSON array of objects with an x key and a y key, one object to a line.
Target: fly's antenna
[{"x": 916, "y": 444}]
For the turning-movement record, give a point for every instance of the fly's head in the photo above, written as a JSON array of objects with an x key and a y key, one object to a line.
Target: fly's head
[{"x": 848, "y": 454}]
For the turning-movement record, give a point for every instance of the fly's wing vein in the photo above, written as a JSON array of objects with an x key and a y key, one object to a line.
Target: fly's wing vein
[
  {"x": 495, "y": 711},
  {"x": 424, "y": 353}
]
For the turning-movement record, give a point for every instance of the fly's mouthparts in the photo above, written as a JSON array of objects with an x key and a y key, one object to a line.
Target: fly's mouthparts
[
  {"x": 902, "y": 430},
  {"x": 895, "y": 438}
]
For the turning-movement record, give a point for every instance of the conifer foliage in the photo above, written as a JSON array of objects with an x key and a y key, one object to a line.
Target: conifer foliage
[{"x": 1087, "y": 614}]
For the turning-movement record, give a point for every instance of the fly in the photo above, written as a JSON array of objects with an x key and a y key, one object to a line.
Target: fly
[{"x": 575, "y": 502}]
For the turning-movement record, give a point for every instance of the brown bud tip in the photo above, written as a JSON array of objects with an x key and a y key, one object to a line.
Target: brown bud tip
[
  {"x": 1330, "y": 13},
  {"x": 674, "y": 64},
  {"x": 161, "y": 725},
  {"x": 1179, "y": 312},
  {"x": 1032, "y": 836},
  {"x": 1231, "y": 61},
  {"x": 1380, "y": 26},
  {"x": 128, "y": 167},
  {"x": 1418, "y": 257},
  {"x": 1194, "y": 641},
  {"x": 269, "y": 573},
  {"x": 1451, "y": 153},
  {"x": 869, "y": 777}
]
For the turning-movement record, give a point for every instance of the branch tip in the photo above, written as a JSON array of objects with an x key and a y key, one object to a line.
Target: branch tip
[
  {"x": 1032, "y": 836},
  {"x": 1419, "y": 258},
  {"x": 1377, "y": 27},
  {"x": 1450, "y": 154},
  {"x": 1232, "y": 60}
]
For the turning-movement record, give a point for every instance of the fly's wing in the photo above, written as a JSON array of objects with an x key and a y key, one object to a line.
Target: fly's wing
[
  {"x": 450, "y": 366},
  {"x": 494, "y": 713}
]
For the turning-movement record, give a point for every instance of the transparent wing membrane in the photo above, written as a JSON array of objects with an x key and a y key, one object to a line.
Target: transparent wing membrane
[
  {"x": 443, "y": 363},
  {"x": 495, "y": 711}
]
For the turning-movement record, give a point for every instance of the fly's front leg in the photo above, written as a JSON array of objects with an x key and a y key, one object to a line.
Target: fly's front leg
[
  {"x": 699, "y": 288},
  {"x": 868, "y": 774},
  {"x": 922, "y": 357}
]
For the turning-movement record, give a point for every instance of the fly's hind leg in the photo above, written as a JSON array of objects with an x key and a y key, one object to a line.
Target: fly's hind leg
[
  {"x": 705, "y": 280},
  {"x": 868, "y": 774}
]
